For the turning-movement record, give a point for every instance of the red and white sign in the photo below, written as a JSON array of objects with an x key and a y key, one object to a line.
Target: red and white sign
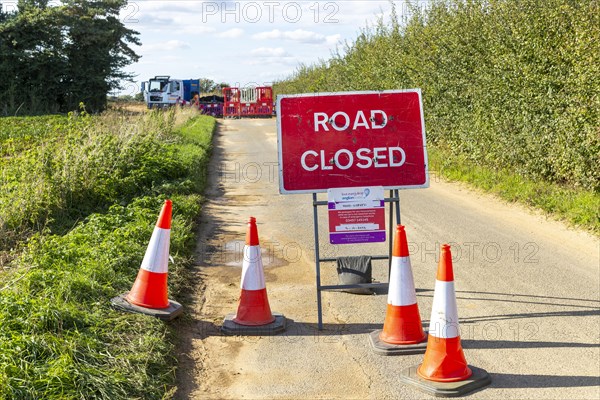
[{"x": 336, "y": 140}]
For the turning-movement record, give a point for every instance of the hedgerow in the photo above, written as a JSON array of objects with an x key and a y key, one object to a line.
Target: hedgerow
[{"x": 507, "y": 84}]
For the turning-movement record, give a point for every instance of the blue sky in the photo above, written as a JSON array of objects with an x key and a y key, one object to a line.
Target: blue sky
[{"x": 243, "y": 42}]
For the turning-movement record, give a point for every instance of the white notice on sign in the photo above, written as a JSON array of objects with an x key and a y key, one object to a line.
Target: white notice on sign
[{"x": 356, "y": 215}]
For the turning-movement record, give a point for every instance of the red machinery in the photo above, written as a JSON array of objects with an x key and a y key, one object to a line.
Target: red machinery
[
  {"x": 248, "y": 102},
  {"x": 231, "y": 102},
  {"x": 264, "y": 105}
]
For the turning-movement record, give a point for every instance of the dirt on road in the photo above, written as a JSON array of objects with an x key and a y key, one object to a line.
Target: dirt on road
[{"x": 527, "y": 289}]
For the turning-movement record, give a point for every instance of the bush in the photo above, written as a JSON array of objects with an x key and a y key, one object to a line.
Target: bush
[{"x": 506, "y": 84}]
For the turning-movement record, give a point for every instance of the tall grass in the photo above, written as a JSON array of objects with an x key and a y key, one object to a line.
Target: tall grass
[
  {"x": 56, "y": 170},
  {"x": 104, "y": 180}
]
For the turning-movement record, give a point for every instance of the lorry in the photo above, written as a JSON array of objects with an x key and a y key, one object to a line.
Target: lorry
[{"x": 162, "y": 91}]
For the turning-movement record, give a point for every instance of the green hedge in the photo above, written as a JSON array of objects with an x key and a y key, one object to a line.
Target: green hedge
[{"x": 507, "y": 84}]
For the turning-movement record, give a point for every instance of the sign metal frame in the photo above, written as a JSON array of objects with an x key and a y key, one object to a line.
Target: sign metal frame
[{"x": 393, "y": 200}]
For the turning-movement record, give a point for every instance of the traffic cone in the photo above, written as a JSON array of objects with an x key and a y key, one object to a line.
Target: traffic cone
[
  {"x": 444, "y": 358},
  {"x": 149, "y": 294},
  {"x": 254, "y": 312},
  {"x": 254, "y": 306},
  {"x": 402, "y": 329},
  {"x": 444, "y": 371}
]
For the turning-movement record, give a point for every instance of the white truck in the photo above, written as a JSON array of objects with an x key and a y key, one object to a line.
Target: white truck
[{"x": 162, "y": 91}]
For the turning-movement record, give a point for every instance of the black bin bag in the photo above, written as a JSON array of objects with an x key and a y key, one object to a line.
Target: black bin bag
[{"x": 353, "y": 270}]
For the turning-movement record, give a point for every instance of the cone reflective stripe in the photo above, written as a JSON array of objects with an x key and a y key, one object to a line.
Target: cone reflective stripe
[
  {"x": 444, "y": 313},
  {"x": 254, "y": 306},
  {"x": 402, "y": 321},
  {"x": 150, "y": 287},
  {"x": 253, "y": 277},
  {"x": 444, "y": 359}
]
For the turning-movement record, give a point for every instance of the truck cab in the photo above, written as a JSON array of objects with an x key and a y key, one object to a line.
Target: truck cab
[{"x": 162, "y": 92}]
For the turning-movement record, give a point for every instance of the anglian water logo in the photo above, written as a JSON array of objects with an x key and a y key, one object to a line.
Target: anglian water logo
[{"x": 356, "y": 195}]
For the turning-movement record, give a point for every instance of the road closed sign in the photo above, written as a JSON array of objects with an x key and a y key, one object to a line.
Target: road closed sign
[{"x": 351, "y": 139}]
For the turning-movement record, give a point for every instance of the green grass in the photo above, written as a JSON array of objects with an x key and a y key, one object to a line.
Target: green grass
[
  {"x": 577, "y": 206},
  {"x": 59, "y": 336}
]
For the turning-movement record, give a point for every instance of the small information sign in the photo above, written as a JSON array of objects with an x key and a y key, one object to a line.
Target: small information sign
[{"x": 356, "y": 215}]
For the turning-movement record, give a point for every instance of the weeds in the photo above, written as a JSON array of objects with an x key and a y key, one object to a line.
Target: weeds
[
  {"x": 99, "y": 184},
  {"x": 577, "y": 206}
]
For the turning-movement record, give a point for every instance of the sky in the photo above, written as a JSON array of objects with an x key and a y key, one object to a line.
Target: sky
[{"x": 241, "y": 42}]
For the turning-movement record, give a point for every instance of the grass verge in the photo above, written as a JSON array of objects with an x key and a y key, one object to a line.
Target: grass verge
[
  {"x": 578, "y": 207},
  {"x": 59, "y": 337}
]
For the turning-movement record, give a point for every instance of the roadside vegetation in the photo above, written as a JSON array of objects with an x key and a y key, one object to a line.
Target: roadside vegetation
[
  {"x": 511, "y": 93},
  {"x": 79, "y": 197}
]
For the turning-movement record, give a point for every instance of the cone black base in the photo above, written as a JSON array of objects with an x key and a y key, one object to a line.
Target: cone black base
[
  {"x": 387, "y": 349},
  {"x": 231, "y": 328},
  {"x": 478, "y": 380},
  {"x": 166, "y": 314}
]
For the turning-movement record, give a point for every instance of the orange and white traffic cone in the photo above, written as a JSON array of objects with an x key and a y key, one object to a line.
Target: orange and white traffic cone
[
  {"x": 254, "y": 312},
  {"x": 402, "y": 330},
  {"x": 150, "y": 287},
  {"x": 444, "y": 371},
  {"x": 254, "y": 306},
  {"x": 444, "y": 359},
  {"x": 149, "y": 294}
]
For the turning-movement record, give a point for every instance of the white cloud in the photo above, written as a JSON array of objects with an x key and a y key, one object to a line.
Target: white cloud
[
  {"x": 269, "y": 52},
  {"x": 189, "y": 29},
  {"x": 298, "y": 35},
  {"x": 273, "y": 57},
  {"x": 333, "y": 39},
  {"x": 194, "y": 30},
  {"x": 149, "y": 20},
  {"x": 167, "y": 45},
  {"x": 145, "y": 61},
  {"x": 171, "y": 58},
  {"x": 231, "y": 33}
]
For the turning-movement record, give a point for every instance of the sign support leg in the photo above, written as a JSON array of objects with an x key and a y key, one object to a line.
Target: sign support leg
[
  {"x": 390, "y": 235},
  {"x": 394, "y": 201},
  {"x": 317, "y": 261},
  {"x": 397, "y": 203}
]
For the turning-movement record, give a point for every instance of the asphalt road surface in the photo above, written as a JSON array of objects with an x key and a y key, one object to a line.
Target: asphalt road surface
[{"x": 527, "y": 291}]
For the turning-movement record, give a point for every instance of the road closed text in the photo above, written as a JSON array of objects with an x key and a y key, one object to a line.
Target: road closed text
[
  {"x": 379, "y": 157},
  {"x": 377, "y": 120},
  {"x": 351, "y": 139}
]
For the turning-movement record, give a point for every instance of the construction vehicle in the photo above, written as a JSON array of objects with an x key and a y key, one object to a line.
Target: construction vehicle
[
  {"x": 162, "y": 91},
  {"x": 248, "y": 102}
]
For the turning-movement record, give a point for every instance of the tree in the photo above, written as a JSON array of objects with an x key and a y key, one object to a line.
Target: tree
[
  {"x": 206, "y": 85},
  {"x": 97, "y": 49},
  {"x": 54, "y": 57},
  {"x": 32, "y": 62},
  {"x": 219, "y": 87}
]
